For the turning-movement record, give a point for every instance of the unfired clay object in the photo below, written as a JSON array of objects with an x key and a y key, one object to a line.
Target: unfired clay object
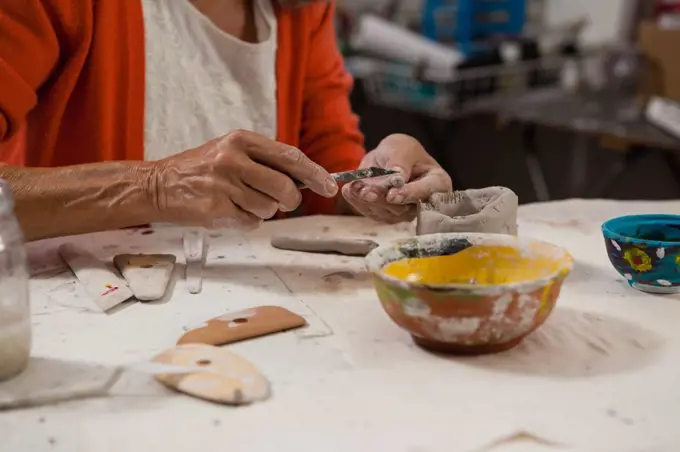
[
  {"x": 240, "y": 325},
  {"x": 225, "y": 377},
  {"x": 148, "y": 275},
  {"x": 314, "y": 244},
  {"x": 490, "y": 210}
]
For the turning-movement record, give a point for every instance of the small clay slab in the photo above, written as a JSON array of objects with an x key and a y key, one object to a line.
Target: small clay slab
[
  {"x": 313, "y": 244},
  {"x": 246, "y": 324},
  {"x": 148, "y": 275},
  {"x": 225, "y": 377}
]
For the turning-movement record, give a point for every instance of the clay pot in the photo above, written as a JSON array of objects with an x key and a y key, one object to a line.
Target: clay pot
[
  {"x": 645, "y": 249},
  {"x": 482, "y": 293}
]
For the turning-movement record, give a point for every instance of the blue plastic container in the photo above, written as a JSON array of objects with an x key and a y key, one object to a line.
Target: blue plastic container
[
  {"x": 645, "y": 249},
  {"x": 464, "y": 22}
]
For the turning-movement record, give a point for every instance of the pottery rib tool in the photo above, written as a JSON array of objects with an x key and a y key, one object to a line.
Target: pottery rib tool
[
  {"x": 104, "y": 286},
  {"x": 225, "y": 377},
  {"x": 364, "y": 173},
  {"x": 316, "y": 244},
  {"x": 160, "y": 367},
  {"x": 194, "y": 251},
  {"x": 240, "y": 325},
  {"x": 147, "y": 275}
]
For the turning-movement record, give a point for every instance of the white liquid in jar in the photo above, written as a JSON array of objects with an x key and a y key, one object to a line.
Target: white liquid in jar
[
  {"x": 15, "y": 347},
  {"x": 15, "y": 312}
]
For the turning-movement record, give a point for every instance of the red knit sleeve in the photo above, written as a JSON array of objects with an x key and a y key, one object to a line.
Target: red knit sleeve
[
  {"x": 330, "y": 131},
  {"x": 29, "y": 51}
]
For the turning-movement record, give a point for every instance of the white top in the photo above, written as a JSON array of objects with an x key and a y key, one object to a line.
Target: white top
[
  {"x": 600, "y": 376},
  {"x": 201, "y": 82}
]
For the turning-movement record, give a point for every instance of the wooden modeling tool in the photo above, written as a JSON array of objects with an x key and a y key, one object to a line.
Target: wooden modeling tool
[
  {"x": 225, "y": 377},
  {"x": 194, "y": 251},
  {"x": 104, "y": 286},
  {"x": 240, "y": 325},
  {"x": 148, "y": 275},
  {"x": 333, "y": 245}
]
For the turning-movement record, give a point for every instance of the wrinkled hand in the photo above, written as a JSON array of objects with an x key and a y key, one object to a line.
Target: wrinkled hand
[
  {"x": 235, "y": 181},
  {"x": 393, "y": 199}
]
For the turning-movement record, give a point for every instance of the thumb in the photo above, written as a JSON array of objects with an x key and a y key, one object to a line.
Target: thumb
[{"x": 433, "y": 181}]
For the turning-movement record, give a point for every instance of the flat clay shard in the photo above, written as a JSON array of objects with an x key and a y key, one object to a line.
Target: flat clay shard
[
  {"x": 240, "y": 325},
  {"x": 225, "y": 377},
  {"x": 147, "y": 275},
  {"x": 489, "y": 210},
  {"x": 315, "y": 244}
]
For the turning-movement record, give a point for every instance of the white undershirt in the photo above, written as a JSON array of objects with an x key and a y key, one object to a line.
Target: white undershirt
[{"x": 201, "y": 82}]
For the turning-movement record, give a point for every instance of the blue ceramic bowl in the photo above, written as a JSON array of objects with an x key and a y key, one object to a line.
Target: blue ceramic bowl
[{"x": 645, "y": 249}]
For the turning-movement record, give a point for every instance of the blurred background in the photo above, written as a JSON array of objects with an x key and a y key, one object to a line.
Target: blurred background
[{"x": 552, "y": 98}]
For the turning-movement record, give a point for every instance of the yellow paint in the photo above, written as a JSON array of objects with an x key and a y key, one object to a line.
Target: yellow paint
[
  {"x": 638, "y": 259},
  {"x": 480, "y": 264},
  {"x": 545, "y": 297}
]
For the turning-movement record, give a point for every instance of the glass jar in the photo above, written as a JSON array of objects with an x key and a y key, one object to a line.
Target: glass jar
[{"x": 15, "y": 317}]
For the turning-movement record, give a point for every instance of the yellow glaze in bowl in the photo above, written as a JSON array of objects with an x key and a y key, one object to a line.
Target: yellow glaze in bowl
[{"x": 481, "y": 265}]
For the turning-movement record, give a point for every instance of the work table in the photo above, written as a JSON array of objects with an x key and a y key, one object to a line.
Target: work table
[{"x": 603, "y": 373}]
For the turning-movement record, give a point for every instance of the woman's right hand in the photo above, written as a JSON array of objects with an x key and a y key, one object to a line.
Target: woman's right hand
[{"x": 235, "y": 181}]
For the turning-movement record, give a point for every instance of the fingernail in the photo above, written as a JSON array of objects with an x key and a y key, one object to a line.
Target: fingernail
[
  {"x": 357, "y": 187},
  {"x": 331, "y": 186},
  {"x": 370, "y": 196},
  {"x": 398, "y": 199}
]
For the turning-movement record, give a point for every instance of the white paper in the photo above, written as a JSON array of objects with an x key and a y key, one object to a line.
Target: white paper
[{"x": 379, "y": 36}]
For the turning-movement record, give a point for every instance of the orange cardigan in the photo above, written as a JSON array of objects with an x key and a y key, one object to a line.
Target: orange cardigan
[{"x": 72, "y": 86}]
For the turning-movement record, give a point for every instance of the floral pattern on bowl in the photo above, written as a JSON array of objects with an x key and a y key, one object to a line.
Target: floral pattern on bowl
[{"x": 645, "y": 250}]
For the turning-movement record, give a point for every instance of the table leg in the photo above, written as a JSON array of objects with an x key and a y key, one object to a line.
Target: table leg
[
  {"x": 615, "y": 173},
  {"x": 536, "y": 174},
  {"x": 673, "y": 165},
  {"x": 579, "y": 165}
]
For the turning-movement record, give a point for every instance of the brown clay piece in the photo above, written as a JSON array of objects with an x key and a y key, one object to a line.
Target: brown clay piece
[{"x": 240, "y": 325}]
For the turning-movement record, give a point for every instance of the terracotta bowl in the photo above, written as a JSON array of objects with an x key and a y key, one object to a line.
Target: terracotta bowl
[
  {"x": 645, "y": 249},
  {"x": 469, "y": 293}
]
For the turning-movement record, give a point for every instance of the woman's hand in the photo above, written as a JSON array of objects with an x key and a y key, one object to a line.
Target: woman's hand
[
  {"x": 393, "y": 199},
  {"x": 235, "y": 181}
]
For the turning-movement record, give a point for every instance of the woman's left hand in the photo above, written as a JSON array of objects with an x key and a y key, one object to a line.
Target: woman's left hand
[{"x": 393, "y": 199}]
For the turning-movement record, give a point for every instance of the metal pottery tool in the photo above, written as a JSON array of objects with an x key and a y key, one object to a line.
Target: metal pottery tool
[{"x": 364, "y": 173}]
